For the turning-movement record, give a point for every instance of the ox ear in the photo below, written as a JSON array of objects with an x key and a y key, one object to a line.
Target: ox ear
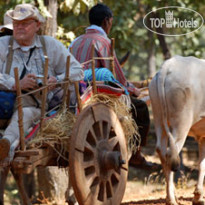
[{"x": 123, "y": 60}]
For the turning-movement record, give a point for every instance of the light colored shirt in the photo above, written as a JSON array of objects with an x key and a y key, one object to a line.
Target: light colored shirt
[{"x": 57, "y": 56}]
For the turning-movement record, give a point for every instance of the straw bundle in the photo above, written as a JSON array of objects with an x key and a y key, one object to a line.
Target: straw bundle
[{"x": 56, "y": 129}]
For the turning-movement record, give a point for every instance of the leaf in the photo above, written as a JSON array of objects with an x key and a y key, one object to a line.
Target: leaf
[
  {"x": 43, "y": 9},
  {"x": 84, "y": 2},
  {"x": 76, "y": 8},
  {"x": 69, "y": 4}
]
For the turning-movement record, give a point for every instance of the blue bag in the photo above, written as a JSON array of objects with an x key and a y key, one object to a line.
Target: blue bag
[{"x": 7, "y": 100}]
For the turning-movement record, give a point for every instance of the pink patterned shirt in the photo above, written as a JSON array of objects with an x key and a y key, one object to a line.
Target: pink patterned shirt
[{"x": 81, "y": 49}]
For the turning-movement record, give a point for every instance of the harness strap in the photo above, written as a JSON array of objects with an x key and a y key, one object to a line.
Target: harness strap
[
  {"x": 10, "y": 56},
  {"x": 44, "y": 45}
]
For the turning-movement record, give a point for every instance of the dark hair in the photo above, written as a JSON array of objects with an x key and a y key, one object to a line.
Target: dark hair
[{"x": 98, "y": 13}]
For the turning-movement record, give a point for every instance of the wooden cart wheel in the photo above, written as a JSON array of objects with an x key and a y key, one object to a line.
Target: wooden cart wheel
[{"x": 98, "y": 157}]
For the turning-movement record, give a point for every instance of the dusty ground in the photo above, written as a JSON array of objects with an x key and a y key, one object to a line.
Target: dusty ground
[
  {"x": 152, "y": 189},
  {"x": 146, "y": 186}
]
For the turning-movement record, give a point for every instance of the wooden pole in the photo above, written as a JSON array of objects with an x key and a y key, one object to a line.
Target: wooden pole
[
  {"x": 18, "y": 176},
  {"x": 44, "y": 94},
  {"x": 78, "y": 95},
  {"x": 93, "y": 69},
  {"x": 76, "y": 84},
  {"x": 20, "y": 109},
  {"x": 112, "y": 62},
  {"x": 66, "y": 94}
]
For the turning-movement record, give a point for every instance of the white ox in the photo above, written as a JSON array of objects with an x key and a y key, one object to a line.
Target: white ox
[{"x": 177, "y": 94}]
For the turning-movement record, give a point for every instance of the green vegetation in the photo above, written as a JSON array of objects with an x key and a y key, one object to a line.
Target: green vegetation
[{"x": 128, "y": 30}]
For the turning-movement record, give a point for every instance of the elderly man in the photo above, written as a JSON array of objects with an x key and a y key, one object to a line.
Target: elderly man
[
  {"x": 100, "y": 18},
  {"x": 27, "y": 54}
]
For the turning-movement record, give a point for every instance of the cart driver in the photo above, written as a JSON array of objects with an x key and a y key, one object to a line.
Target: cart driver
[
  {"x": 28, "y": 57},
  {"x": 100, "y": 18}
]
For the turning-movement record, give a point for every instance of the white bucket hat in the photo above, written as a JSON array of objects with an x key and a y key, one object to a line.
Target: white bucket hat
[
  {"x": 25, "y": 11},
  {"x": 7, "y": 22}
]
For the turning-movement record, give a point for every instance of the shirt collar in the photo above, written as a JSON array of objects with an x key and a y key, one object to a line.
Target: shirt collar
[{"x": 98, "y": 28}]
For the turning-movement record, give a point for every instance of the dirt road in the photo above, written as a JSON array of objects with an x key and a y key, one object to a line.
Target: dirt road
[
  {"x": 137, "y": 194},
  {"x": 147, "y": 186}
]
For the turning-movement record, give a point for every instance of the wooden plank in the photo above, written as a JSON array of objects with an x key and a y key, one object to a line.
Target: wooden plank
[
  {"x": 78, "y": 96},
  {"x": 26, "y": 153},
  {"x": 93, "y": 69},
  {"x": 66, "y": 95},
  {"x": 112, "y": 62},
  {"x": 26, "y": 162},
  {"x": 44, "y": 94},
  {"x": 20, "y": 109}
]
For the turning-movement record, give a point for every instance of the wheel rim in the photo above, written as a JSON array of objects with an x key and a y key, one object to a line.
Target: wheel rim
[{"x": 98, "y": 157}]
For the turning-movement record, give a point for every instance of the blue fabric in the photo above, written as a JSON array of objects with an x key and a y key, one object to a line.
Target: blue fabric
[
  {"x": 7, "y": 100},
  {"x": 102, "y": 74}
]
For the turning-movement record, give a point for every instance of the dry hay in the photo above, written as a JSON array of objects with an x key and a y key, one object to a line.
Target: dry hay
[
  {"x": 122, "y": 109},
  {"x": 56, "y": 129}
]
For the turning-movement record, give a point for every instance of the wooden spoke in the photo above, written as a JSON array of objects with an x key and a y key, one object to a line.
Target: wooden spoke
[
  {"x": 109, "y": 189},
  {"x": 113, "y": 142},
  {"x": 88, "y": 164},
  {"x": 90, "y": 179},
  {"x": 91, "y": 138},
  {"x": 115, "y": 177},
  {"x": 87, "y": 155},
  {"x": 94, "y": 187},
  {"x": 89, "y": 147}
]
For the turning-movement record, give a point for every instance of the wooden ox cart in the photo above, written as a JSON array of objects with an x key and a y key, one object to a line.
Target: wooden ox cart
[{"x": 97, "y": 149}]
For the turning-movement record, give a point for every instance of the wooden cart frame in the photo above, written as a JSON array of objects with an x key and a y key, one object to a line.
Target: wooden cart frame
[{"x": 98, "y": 159}]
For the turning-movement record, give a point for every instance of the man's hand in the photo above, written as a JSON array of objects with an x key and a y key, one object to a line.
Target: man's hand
[
  {"x": 133, "y": 90},
  {"x": 52, "y": 80},
  {"x": 28, "y": 82}
]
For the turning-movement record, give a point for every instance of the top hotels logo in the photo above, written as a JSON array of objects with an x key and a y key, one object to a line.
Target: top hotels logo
[{"x": 175, "y": 21}]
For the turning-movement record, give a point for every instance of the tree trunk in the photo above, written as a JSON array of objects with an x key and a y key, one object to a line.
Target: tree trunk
[
  {"x": 30, "y": 184},
  {"x": 151, "y": 54},
  {"x": 53, "y": 184},
  {"x": 163, "y": 44},
  {"x": 50, "y": 28},
  {"x": 151, "y": 59}
]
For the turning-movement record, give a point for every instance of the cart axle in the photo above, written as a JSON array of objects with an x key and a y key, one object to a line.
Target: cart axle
[{"x": 111, "y": 160}]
